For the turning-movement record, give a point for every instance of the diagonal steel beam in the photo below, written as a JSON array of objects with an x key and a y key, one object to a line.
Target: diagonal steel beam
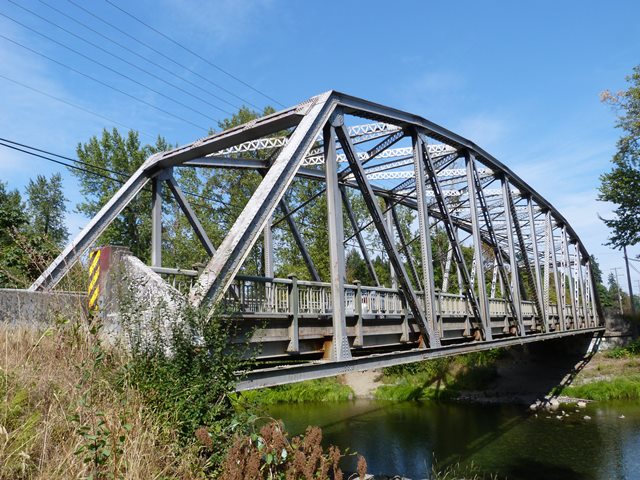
[
  {"x": 192, "y": 218},
  {"x": 293, "y": 228},
  {"x": 405, "y": 248},
  {"x": 219, "y": 273},
  {"x": 394, "y": 257},
  {"x": 354, "y": 224},
  {"x": 456, "y": 249},
  {"x": 89, "y": 234}
]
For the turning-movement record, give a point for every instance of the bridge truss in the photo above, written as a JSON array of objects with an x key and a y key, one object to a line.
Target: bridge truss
[{"x": 530, "y": 277}]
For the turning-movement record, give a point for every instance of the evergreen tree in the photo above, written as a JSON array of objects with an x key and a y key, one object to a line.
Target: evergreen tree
[
  {"x": 621, "y": 185},
  {"x": 46, "y": 207}
]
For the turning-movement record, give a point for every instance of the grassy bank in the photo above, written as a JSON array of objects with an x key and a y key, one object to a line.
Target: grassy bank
[
  {"x": 321, "y": 390},
  {"x": 442, "y": 378},
  {"x": 611, "y": 375},
  {"x": 74, "y": 407},
  {"x": 621, "y": 388}
]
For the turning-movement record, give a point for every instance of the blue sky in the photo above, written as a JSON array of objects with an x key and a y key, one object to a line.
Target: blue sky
[{"x": 521, "y": 79}]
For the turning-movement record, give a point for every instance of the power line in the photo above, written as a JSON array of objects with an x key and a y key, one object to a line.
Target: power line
[
  {"x": 217, "y": 67},
  {"x": 79, "y": 107},
  {"x": 102, "y": 83},
  {"x": 118, "y": 57},
  {"x": 133, "y": 52},
  {"x": 161, "y": 54},
  {"x": 107, "y": 67},
  {"x": 12, "y": 145}
]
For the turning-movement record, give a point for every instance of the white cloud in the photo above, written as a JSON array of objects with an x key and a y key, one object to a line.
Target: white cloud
[{"x": 221, "y": 21}]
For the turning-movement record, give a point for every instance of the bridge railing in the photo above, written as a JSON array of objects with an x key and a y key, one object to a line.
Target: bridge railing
[{"x": 263, "y": 296}]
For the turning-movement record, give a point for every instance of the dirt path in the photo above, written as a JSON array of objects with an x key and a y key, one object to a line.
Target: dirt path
[{"x": 363, "y": 384}]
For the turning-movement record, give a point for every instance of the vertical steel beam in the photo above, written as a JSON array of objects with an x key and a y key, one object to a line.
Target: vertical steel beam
[
  {"x": 533, "y": 236},
  {"x": 572, "y": 294},
  {"x": 156, "y": 222},
  {"x": 483, "y": 302},
  {"x": 378, "y": 218},
  {"x": 358, "y": 233},
  {"x": 592, "y": 293},
  {"x": 554, "y": 263},
  {"x": 184, "y": 205},
  {"x": 340, "y": 345},
  {"x": 546, "y": 273},
  {"x": 581, "y": 285},
  {"x": 221, "y": 270},
  {"x": 513, "y": 260},
  {"x": 429, "y": 289}
]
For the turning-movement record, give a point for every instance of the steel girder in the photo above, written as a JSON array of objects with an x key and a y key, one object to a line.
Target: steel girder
[{"x": 295, "y": 137}]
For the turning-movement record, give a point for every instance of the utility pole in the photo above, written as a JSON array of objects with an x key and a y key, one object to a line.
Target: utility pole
[
  {"x": 626, "y": 262},
  {"x": 618, "y": 288}
]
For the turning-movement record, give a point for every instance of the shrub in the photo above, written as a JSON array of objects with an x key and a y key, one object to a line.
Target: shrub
[
  {"x": 269, "y": 454},
  {"x": 630, "y": 350}
]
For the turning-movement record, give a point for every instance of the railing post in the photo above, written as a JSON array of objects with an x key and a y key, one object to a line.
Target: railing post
[
  {"x": 405, "y": 337},
  {"x": 357, "y": 310},
  {"x": 294, "y": 311}
]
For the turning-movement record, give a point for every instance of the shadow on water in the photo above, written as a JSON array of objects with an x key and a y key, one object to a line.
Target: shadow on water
[
  {"x": 525, "y": 468},
  {"x": 403, "y": 438}
]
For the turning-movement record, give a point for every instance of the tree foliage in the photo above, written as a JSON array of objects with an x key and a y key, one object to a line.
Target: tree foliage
[
  {"x": 31, "y": 232},
  {"x": 113, "y": 152},
  {"x": 621, "y": 185},
  {"x": 46, "y": 206}
]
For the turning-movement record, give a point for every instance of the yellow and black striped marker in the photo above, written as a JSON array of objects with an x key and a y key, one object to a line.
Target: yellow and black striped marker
[{"x": 94, "y": 277}]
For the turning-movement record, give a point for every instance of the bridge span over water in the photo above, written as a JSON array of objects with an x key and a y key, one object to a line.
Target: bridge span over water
[{"x": 513, "y": 270}]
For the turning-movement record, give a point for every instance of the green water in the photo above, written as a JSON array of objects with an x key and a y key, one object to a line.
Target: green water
[{"x": 404, "y": 438}]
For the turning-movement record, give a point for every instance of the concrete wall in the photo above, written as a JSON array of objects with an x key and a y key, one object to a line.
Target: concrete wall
[
  {"x": 619, "y": 330},
  {"x": 22, "y": 307}
]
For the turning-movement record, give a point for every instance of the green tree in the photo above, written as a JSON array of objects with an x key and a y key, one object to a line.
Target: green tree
[
  {"x": 46, "y": 207},
  {"x": 123, "y": 154},
  {"x": 12, "y": 220},
  {"x": 621, "y": 185}
]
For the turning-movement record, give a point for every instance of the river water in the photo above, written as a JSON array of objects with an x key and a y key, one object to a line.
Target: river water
[{"x": 404, "y": 438}]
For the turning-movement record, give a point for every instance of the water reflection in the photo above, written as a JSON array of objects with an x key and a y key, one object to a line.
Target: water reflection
[{"x": 404, "y": 438}]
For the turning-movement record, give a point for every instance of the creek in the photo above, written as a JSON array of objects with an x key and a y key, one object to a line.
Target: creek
[{"x": 507, "y": 440}]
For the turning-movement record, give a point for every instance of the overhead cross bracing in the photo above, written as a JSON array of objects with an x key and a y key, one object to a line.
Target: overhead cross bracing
[{"x": 456, "y": 248}]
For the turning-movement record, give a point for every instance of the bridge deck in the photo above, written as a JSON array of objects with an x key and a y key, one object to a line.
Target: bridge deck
[{"x": 283, "y": 374}]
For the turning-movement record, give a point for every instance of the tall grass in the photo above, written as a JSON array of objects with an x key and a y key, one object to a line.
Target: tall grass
[{"x": 58, "y": 413}]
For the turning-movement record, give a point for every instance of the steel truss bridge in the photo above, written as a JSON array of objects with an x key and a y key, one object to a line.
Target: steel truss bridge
[{"x": 541, "y": 283}]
